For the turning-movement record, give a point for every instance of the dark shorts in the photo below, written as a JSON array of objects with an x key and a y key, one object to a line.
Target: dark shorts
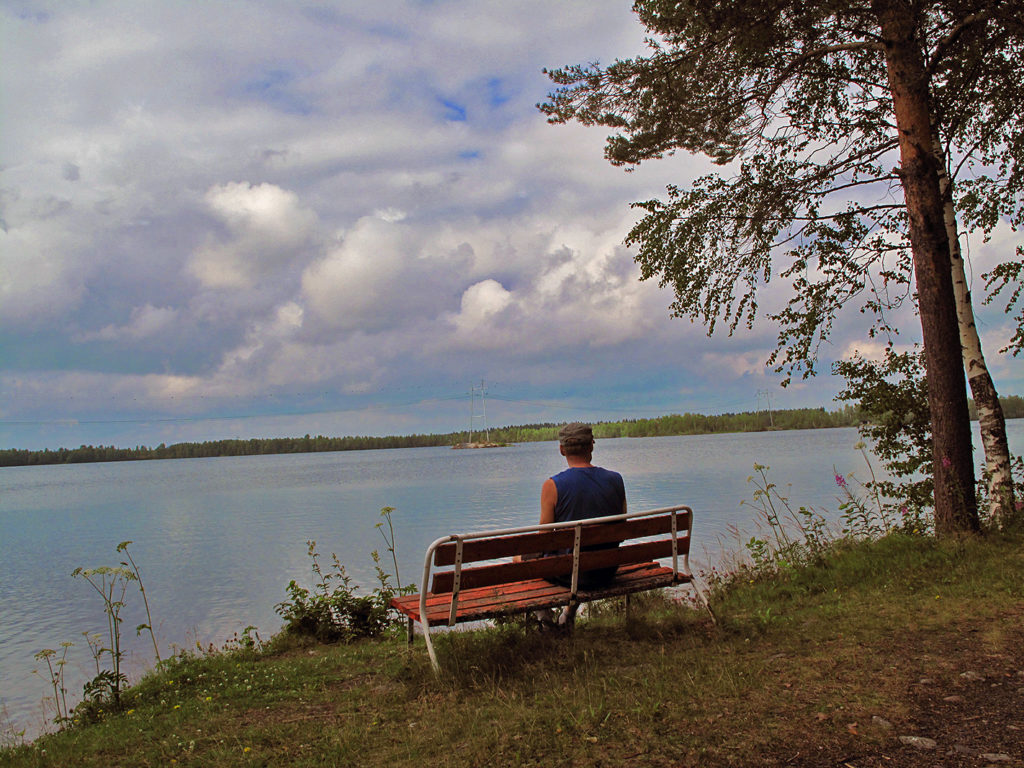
[{"x": 596, "y": 579}]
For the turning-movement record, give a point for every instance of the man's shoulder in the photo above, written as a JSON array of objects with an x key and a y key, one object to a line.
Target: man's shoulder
[
  {"x": 593, "y": 471},
  {"x": 613, "y": 478}
]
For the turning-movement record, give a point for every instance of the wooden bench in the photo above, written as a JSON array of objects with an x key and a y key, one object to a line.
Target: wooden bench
[{"x": 502, "y": 585}]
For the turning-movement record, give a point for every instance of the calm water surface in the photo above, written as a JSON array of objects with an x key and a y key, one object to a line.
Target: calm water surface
[{"x": 217, "y": 540}]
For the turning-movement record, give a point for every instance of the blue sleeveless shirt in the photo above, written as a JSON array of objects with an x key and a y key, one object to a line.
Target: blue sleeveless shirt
[
  {"x": 588, "y": 492},
  {"x": 585, "y": 492}
]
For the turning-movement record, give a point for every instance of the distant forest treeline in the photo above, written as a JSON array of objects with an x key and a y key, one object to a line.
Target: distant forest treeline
[{"x": 675, "y": 424}]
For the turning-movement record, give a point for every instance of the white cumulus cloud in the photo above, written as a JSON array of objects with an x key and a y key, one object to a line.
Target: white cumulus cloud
[
  {"x": 382, "y": 274},
  {"x": 266, "y": 227}
]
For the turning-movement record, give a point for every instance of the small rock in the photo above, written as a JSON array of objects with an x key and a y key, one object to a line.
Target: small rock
[
  {"x": 972, "y": 677},
  {"x": 960, "y": 749},
  {"x": 995, "y": 757},
  {"x": 881, "y": 722},
  {"x": 920, "y": 742},
  {"x": 926, "y": 681},
  {"x": 953, "y": 699}
]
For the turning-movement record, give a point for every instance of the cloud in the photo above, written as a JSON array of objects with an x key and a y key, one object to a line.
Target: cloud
[
  {"x": 733, "y": 365},
  {"x": 281, "y": 326},
  {"x": 579, "y": 291},
  {"x": 39, "y": 276},
  {"x": 480, "y": 303},
  {"x": 146, "y": 321},
  {"x": 266, "y": 228},
  {"x": 382, "y": 274}
]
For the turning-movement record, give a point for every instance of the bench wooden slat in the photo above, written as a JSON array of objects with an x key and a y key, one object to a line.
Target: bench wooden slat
[
  {"x": 475, "y": 550},
  {"x": 532, "y": 594},
  {"x": 556, "y": 565},
  {"x": 528, "y": 589}
]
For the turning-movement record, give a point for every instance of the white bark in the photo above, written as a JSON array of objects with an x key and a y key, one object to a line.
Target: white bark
[{"x": 990, "y": 412}]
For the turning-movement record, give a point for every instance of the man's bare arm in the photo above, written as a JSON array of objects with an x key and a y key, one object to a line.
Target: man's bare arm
[{"x": 548, "y": 499}]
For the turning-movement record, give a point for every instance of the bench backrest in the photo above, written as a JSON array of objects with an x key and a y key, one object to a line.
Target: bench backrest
[{"x": 668, "y": 532}]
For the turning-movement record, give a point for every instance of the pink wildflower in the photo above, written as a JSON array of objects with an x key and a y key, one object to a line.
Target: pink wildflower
[{"x": 840, "y": 481}]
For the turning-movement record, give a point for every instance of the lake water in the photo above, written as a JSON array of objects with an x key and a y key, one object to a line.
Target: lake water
[{"x": 217, "y": 540}]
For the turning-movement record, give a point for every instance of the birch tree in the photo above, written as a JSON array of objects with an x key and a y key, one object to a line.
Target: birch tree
[
  {"x": 977, "y": 99},
  {"x": 991, "y": 421},
  {"x": 813, "y": 106}
]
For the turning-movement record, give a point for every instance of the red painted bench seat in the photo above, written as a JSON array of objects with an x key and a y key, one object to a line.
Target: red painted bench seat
[{"x": 530, "y": 595}]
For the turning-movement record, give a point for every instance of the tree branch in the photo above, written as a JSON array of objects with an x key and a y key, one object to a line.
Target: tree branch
[
  {"x": 824, "y": 50},
  {"x": 949, "y": 40}
]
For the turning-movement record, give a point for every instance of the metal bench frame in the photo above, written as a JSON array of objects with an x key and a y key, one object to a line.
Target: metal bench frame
[{"x": 680, "y": 569}]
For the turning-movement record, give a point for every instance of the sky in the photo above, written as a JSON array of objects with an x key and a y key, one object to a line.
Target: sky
[{"x": 260, "y": 219}]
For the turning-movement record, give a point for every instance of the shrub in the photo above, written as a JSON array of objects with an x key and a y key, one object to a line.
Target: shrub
[{"x": 331, "y": 611}]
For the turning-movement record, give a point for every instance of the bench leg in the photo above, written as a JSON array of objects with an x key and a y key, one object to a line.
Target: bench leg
[
  {"x": 627, "y": 604},
  {"x": 430, "y": 649},
  {"x": 409, "y": 631},
  {"x": 703, "y": 598}
]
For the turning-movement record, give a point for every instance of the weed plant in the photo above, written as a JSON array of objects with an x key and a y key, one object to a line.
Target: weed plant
[
  {"x": 10, "y": 737},
  {"x": 111, "y": 584},
  {"x": 797, "y": 538},
  {"x": 148, "y": 626},
  {"x": 103, "y": 692},
  {"x": 55, "y": 678},
  {"x": 332, "y": 611}
]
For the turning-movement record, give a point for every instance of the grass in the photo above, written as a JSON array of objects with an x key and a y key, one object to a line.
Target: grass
[{"x": 793, "y": 674}]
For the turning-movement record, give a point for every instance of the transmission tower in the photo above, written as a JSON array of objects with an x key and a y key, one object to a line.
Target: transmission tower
[
  {"x": 482, "y": 392},
  {"x": 767, "y": 395}
]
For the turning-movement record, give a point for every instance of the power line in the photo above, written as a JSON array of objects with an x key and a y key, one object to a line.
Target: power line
[
  {"x": 556, "y": 405},
  {"x": 235, "y": 417}
]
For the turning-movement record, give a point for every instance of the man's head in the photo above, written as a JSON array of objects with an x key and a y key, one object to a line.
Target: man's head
[{"x": 576, "y": 439}]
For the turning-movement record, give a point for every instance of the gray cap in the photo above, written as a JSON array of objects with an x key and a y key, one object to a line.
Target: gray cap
[{"x": 575, "y": 434}]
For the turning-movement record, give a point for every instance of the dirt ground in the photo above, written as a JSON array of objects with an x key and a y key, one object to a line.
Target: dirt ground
[{"x": 963, "y": 704}]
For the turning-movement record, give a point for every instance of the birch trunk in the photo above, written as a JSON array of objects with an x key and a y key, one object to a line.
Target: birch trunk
[{"x": 990, "y": 412}]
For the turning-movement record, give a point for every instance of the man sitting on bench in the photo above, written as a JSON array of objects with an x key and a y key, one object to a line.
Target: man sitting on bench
[{"x": 582, "y": 491}]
